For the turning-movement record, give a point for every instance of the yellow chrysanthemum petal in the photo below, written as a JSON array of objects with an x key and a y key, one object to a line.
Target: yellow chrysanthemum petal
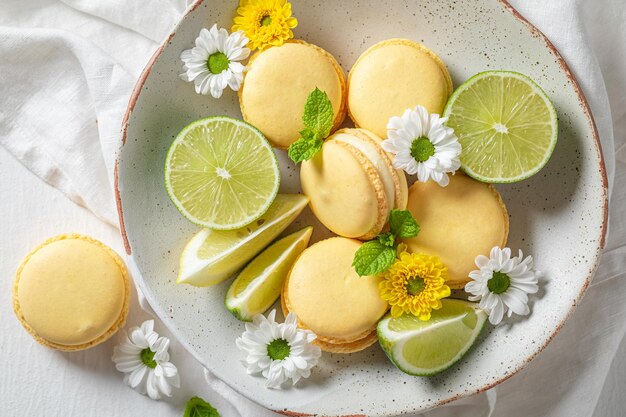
[
  {"x": 410, "y": 266},
  {"x": 277, "y": 16},
  {"x": 396, "y": 311}
]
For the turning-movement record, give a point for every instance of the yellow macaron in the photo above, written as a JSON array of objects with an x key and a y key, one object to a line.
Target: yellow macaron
[
  {"x": 457, "y": 223},
  {"x": 278, "y": 82},
  {"x": 71, "y": 292},
  {"x": 329, "y": 298},
  {"x": 392, "y": 76},
  {"x": 352, "y": 185}
]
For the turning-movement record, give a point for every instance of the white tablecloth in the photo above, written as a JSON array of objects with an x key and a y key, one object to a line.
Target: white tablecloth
[{"x": 65, "y": 63}]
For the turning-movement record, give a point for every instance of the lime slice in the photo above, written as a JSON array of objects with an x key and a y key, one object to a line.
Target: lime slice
[
  {"x": 221, "y": 173},
  {"x": 506, "y": 125},
  {"x": 425, "y": 348},
  {"x": 259, "y": 284},
  {"x": 211, "y": 256}
]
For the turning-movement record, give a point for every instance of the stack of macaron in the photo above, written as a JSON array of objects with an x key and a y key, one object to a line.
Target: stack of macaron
[
  {"x": 351, "y": 182},
  {"x": 352, "y": 185}
]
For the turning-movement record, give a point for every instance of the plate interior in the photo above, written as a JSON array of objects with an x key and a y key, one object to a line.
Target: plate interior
[{"x": 557, "y": 215}]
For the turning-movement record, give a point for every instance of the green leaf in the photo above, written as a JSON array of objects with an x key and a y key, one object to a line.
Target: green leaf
[
  {"x": 387, "y": 239},
  {"x": 306, "y": 147},
  {"x": 318, "y": 113},
  {"x": 197, "y": 407},
  {"x": 373, "y": 257},
  {"x": 402, "y": 224}
]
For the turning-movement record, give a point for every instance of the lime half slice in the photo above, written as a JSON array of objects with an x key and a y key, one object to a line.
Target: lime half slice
[
  {"x": 425, "y": 348},
  {"x": 259, "y": 284},
  {"x": 212, "y": 256},
  {"x": 221, "y": 173},
  {"x": 506, "y": 125}
]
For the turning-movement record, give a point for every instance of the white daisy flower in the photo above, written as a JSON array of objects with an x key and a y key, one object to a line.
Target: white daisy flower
[
  {"x": 422, "y": 145},
  {"x": 502, "y": 283},
  {"x": 143, "y": 356},
  {"x": 214, "y": 63},
  {"x": 280, "y": 352}
]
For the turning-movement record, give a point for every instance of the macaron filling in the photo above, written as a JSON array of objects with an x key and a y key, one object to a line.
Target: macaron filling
[{"x": 373, "y": 155}]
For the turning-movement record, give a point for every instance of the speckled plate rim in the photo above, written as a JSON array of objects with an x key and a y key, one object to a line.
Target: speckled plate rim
[{"x": 138, "y": 279}]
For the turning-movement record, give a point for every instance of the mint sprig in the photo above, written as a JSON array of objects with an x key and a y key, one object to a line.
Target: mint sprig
[
  {"x": 197, "y": 407},
  {"x": 378, "y": 254},
  {"x": 306, "y": 147},
  {"x": 373, "y": 258},
  {"x": 402, "y": 224},
  {"x": 318, "y": 122}
]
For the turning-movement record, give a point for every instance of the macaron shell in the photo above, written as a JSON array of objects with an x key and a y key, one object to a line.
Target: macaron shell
[
  {"x": 329, "y": 298},
  {"x": 71, "y": 292},
  {"x": 345, "y": 192},
  {"x": 336, "y": 345},
  {"x": 399, "y": 178},
  {"x": 392, "y": 76},
  {"x": 457, "y": 223},
  {"x": 278, "y": 83},
  {"x": 367, "y": 148}
]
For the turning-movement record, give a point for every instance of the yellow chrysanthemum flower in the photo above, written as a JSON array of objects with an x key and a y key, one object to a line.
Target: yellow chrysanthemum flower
[
  {"x": 415, "y": 284},
  {"x": 265, "y": 22}
]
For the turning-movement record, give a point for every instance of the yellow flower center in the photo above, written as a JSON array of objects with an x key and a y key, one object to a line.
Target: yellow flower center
[
  {"x": 415, "y": 285},
  {"x": 265, "y": 20}
]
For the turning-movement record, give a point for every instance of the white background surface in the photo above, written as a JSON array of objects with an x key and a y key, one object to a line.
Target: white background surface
[{"x": 581, "y": 373}]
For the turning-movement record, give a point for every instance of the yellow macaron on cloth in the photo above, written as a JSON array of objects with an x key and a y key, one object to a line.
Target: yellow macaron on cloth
[
  {"x": 329, "y": 298},
  {"x": 278, "y": 82},
  {"x": 392, "y": 76},
  {"x": 71, "y": 292}
]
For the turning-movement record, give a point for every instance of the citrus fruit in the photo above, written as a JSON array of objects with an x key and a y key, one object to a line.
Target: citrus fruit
[
  {"x": 425, "y": 348},
  {"x": 258, "y": 285},
  {"x": 211, "y": 256},
  {"x": 221, "y": 173},
  {"x": 506, "y": 125}
]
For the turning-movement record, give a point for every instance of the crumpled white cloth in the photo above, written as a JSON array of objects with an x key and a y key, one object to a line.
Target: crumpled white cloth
[{"x": 68, "y": 67}]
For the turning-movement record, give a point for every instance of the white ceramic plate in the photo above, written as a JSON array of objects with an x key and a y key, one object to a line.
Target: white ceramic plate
[{"x": 559, "y": 215}]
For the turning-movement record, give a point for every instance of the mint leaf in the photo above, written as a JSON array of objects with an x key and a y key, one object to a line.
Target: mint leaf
[
  {"x": 197, "y": 407},
  {"x": 318, "y": 122},
  {"x": 387, "y": 239},
  {"x": 373, "y": 258},
  {"x": 318, "y": 113},
  {"x": 306, "y": 147},
  {"x": 402, "y": 224}
]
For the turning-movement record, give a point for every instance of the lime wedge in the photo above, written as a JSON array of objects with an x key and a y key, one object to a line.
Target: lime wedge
[
  {"x": 211, "y": 256},
  {"x": 425, "y": 348},
  {"x": 506, "y": 125},
  {"x": 221, "y": 173},
  {"x": 258, "y": 285}
]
